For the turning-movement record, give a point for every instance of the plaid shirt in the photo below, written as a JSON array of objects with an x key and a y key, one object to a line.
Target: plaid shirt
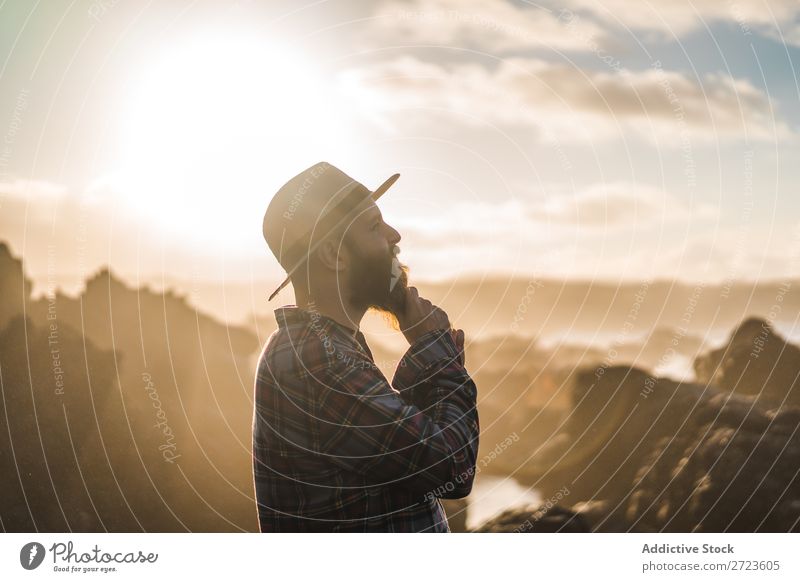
[{"x": 337, "y": 448}]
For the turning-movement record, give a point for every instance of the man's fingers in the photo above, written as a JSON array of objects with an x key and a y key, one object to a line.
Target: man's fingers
[
  {"x": 458, "y": 339},
  {"x": 412, "y": 300},
  {"x": 421, "y": 316}
]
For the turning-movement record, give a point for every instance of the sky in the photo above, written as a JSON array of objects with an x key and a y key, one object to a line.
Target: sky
[{"x": 602, "y": 140}]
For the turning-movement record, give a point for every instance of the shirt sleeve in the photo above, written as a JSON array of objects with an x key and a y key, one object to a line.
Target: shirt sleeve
[{"x": 364, "y": 424}]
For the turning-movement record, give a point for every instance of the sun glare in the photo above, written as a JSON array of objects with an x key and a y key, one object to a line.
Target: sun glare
[{"x": 212, "y": 121}]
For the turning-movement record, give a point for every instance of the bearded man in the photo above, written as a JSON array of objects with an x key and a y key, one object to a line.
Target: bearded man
[{"x": 336, "y": 446}]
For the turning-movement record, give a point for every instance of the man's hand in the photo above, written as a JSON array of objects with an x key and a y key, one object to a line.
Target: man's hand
[{"x": 420, "y": 316}]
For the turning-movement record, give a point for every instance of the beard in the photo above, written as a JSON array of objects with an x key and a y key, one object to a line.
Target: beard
[
  {"x": 379, "y": 284},
  {"x": 395, "y": 302}
]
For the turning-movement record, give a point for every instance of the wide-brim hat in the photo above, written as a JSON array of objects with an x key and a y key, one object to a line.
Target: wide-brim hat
[{"x": 310, "y": 206}]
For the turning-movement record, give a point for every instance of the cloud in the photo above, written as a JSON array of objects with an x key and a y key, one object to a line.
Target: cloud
[
  {"x": 677, "y": 17},
  {"x": 485, "y": 25},
  {"x": 596, "y": 206},
  {"x": 572, "y": 25},
  {"x": 726, "y": 254},
  {"x": 602, "y": 225},
  {"x": 660, "y": 246},
  {"x": 559, "y": 100},
  {"x": 32, "y": 189},
  {"x": 618, "y": 205}
]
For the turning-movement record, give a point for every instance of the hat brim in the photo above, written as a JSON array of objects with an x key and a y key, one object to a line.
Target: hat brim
[{"x": 377, "y": 193}]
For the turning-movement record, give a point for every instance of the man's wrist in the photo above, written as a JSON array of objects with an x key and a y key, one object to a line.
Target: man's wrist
[
  {"x": 431, "y": 340},
  {"x": 433, "y": 333},
  {"x": 435, "y": 348}
]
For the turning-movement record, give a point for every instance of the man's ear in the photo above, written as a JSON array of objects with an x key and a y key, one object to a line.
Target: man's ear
[{"x": 332, "y": 255}]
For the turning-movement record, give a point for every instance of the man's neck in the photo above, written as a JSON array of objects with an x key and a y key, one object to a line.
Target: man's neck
[{"x": 336, "y": 309}]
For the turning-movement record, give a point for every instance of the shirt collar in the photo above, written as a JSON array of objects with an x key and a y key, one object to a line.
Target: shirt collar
[
  {"x": 293, "y": 314},
  {"x": 289, "y": 315}
]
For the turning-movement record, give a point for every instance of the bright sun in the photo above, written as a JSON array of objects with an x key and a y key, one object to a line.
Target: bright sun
[{"x": 210, "y": 123}]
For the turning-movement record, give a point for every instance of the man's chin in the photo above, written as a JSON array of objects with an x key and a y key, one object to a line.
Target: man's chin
[{"x": 395, "y": 301}]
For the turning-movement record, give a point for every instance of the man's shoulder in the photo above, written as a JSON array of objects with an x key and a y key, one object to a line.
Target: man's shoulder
[
  {"x": 310, "y": 348},
  {"x": 298, "y": 361}
]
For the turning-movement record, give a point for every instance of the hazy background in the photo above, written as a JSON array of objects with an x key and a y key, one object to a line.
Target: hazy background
[{"x": 583, "y": 182}]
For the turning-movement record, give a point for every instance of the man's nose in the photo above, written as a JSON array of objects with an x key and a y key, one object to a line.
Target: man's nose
[{"x": 394, "y": 236}]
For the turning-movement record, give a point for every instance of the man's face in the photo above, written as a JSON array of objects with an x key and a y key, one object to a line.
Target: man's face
[{"x": 375, "y": 279}]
